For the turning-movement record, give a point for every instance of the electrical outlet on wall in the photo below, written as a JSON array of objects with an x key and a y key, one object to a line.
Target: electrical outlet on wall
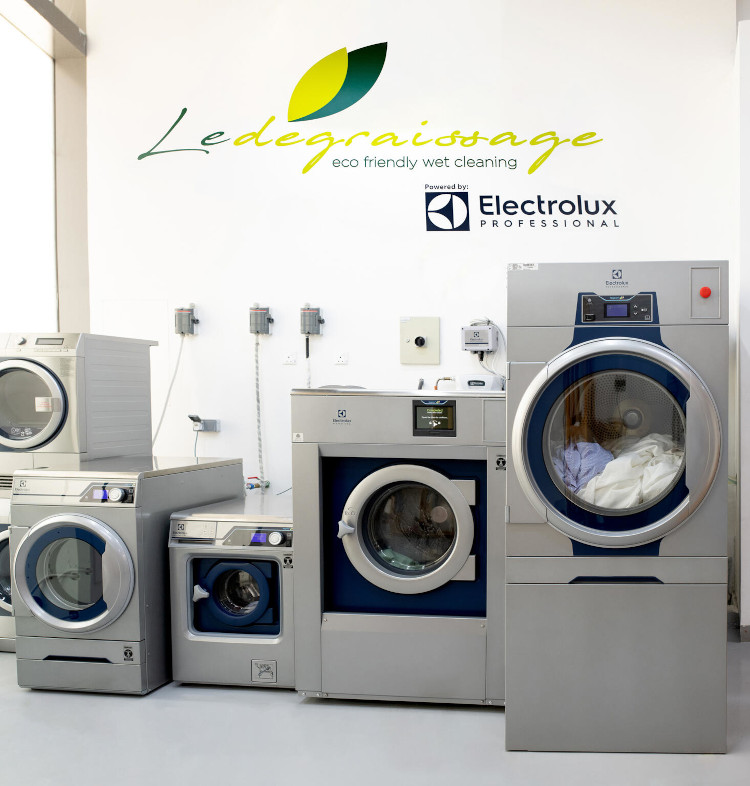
[
  {"x": 342, "y": 359},
  {"x": 290, "y": 359}
]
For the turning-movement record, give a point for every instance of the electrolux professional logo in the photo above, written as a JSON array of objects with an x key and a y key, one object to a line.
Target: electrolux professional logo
[
  {"x": 341, "y": 419},
  {"x": 336, "y": 82},
  {"x": 616, "y": 279},
  {"x": 448, "y": 211}
]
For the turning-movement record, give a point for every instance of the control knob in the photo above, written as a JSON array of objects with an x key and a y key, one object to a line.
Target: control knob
[
  {"x": 116, "y": 494},
  {"x": 20, "y": 341},
  {"x": 276, "y": 538}
]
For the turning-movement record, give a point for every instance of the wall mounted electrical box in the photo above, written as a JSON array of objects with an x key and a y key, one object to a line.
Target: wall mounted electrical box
[
  {"x": 479, "y": 338},
  {"x": 420, "y": 341},
  {"x": 310, "y": 320},
  {"x": 260, "y": 319},
  {"x": 185, "y": 320}
]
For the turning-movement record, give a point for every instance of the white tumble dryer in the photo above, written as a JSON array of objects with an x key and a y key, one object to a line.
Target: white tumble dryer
[
  {"x": 70, "y": 397},
  {"x": 90, "y": 568},
  {"x": 232, "y": 584},
  {"x": 616, "y": 566}
]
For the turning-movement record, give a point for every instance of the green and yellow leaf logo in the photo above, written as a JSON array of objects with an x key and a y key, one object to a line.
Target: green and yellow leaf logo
[{"x": 336, "y": 82}]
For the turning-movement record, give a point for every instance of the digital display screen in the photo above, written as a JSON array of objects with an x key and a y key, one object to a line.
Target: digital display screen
[
  {"x": 259, "y": 537},
  {"x": 616, "y": 310},
  {"x": 100, "y": 494},
  {"x": 434, "y": 418},
  {"x": 50, "y": 342}
]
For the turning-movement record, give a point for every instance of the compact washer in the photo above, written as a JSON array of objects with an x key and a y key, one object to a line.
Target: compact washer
[
  {"x": 399, "y": 544},
  {"x": 617, "y": 507},
  {"x": 232, "y": 585},
  {"x": 90, "y": 568}
]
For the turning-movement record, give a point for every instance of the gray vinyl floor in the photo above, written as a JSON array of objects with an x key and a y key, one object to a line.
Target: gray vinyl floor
[{"x": 197, "y": 735}]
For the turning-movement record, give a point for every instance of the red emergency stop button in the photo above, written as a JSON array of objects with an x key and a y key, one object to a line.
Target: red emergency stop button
[{"x": 705, "y": 292}]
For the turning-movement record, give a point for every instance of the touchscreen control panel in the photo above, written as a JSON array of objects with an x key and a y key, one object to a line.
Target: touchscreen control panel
[{"x": 434, "y": 418}]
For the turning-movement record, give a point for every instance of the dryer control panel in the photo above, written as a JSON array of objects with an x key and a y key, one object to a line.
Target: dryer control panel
[{"x": 616, "y": 308}]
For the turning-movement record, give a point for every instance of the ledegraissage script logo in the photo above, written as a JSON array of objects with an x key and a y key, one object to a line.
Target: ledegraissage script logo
[{"x": 334, "y": 84}]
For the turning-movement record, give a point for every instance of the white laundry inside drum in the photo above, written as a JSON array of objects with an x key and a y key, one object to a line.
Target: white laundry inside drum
[
  {"x": 614, "y": 442},
  {"x": 640, "y": 472}
]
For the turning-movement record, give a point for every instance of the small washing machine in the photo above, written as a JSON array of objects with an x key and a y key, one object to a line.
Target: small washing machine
[
  {"x": 399, "y": 544},
  {"x": 232, "y": 587},
  {"x": 90, "y": 573},
  {"x": 617, "y": 507}
]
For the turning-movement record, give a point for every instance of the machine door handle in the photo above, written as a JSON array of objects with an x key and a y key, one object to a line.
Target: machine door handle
[
  {"x": 199, "y": 593},
  {"x": 345, "y": 529}
]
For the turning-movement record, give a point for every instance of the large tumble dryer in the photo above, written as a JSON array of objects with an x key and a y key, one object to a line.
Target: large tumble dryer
[
  {"x": 399, "y": 535},
  {"x": 90, "y": 568},
  {"x": 232, "y": 580},
  {"x": 617, "y": 507}
]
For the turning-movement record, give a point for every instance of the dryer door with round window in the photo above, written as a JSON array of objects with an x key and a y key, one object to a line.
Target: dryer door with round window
[
  {"x": 619, "y": 441},
  {"x": 32, "y": 405},
  {"x": 409, "y": 529},
  {"x": 74, "y": 573}
]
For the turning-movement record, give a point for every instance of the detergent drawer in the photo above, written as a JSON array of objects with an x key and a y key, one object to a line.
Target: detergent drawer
[
  {"x": 616, "y": 665},
  {"x": 404, "y": 657}
]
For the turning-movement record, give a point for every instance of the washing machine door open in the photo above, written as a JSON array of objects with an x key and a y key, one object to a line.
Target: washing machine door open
[
  {"x": 74, "y": 573},
  {"x": 409, "y": 529},
  {"x": 616, "y": 442},
  {"x": 32, "y": 404}
]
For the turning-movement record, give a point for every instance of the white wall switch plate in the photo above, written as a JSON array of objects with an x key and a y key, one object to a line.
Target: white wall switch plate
[{"x": 420, "y": 341}]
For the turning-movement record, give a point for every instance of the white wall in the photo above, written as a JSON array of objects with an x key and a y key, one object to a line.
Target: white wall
[
  {"x": 242, "y": 224},
  {"x": 27, "y": 184}
]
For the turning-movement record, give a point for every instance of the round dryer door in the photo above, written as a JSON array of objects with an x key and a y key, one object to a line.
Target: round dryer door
[
  {"x": 5, "y": 600},
  {"x": 407, "y": 529},
  {"x": 616, "y": 442},
  {"x": 74, "y": 573},
  {"x": 32, "y": 404}
]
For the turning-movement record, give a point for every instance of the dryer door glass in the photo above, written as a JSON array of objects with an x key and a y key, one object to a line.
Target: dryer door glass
[
  {"x": 410, "y": 528},
  {"x": 25, "y": 408},
  {"x": 614, "y": 442},
  {"x": 32, "y": 404},
  {"x": 69, "y": 574}
]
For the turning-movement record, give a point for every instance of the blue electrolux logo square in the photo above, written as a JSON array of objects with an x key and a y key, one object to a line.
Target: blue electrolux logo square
[
  {"x": 617, "y": 274},
  {"x": 447, "y": 211}
]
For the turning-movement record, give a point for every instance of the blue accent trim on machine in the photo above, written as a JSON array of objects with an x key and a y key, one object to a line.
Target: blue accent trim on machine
[
  {"x": 210, "y": 617},
  {"x": 65, "y": 531},
  {"x": 345, "y": 590},
  {"x": 535, "y": 448}
]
